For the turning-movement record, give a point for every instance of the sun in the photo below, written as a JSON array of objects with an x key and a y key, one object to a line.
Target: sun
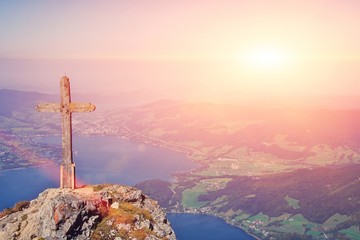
[{"x": 265, "y": 58}]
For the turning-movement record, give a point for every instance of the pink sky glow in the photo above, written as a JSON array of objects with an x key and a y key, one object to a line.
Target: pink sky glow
[{"x": 184, "y": 49}]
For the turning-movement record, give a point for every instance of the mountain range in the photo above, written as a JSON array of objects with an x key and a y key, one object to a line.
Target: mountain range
[{"x": 275, "y": 172}]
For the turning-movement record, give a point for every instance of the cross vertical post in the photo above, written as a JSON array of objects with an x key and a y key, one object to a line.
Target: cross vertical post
[
  {"x": 66, "y": 107},
  {"x": 67, "y": 167}
]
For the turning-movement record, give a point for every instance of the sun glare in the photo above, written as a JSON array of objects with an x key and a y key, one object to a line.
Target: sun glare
[{"x": 265, "y": 59}]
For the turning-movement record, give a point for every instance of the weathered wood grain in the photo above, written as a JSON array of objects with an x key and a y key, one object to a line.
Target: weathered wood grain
[
  {"x": 66, "y": 107},
  {"x": 74, "y": 107}
]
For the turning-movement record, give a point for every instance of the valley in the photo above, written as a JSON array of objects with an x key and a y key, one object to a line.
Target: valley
[{"x": 280, "y": 173}]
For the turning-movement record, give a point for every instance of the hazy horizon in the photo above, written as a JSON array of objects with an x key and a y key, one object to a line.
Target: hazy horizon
[
  {"x": 267, "y": 112},
  {"x": 293, "y": 53}
]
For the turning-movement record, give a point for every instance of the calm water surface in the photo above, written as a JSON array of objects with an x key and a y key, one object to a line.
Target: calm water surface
[
  {"x": 204, "y": 227},
  {"x": 115, "y": 160},
  {"x": 102, "y": 159}
]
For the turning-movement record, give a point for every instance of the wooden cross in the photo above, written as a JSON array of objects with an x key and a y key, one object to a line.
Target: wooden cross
[{"x": 66, "y": 107}]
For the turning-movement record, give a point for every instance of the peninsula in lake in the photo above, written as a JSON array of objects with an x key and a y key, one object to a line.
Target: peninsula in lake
[
  {"x": 244, "y": 110},
  {"x": 272, "y": 172}
]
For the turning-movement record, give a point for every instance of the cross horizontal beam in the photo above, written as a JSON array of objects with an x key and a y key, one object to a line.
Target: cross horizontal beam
[{"x": 73, "y": 107}]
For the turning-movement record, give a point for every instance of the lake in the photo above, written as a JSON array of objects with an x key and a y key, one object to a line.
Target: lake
[
  {"x": 108, "y": 159},
  {"x": 198, "y": 226}
]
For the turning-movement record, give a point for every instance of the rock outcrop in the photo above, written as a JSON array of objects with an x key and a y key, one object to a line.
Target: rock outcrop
[{"x": 93, "y": 212}]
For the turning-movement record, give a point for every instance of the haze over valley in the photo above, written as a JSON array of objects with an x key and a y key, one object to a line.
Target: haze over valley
[
  {"x": 244, "y": 110},
  {"x": 245, "y": 155}
]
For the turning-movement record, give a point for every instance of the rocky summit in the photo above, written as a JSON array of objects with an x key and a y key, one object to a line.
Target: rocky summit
[{"x": 92, "y": 212}]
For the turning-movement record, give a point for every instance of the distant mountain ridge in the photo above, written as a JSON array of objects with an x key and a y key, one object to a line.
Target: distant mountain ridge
[
  {"x": 322, "y": 192},
  {"x": 124, "y": 99},
  {"x": 13, "y": 100},
  {"x": 220, "y": 130},
  {"x": 248, "y": 156},
  {"x": 302, "y": 204}
]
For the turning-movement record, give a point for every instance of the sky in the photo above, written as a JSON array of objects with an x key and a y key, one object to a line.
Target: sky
[{"x": 209, "y": 50}]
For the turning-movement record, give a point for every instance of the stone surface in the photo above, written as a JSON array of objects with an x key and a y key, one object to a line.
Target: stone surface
[{"x": 86, "y": 213}]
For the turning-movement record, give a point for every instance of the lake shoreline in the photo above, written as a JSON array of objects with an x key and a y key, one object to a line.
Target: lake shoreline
[
  {"x": 30, "y": 166},
  {"x": 132, "y": 141},
  {"x": 170, "y": 215},
  {"x": 188, "y": 153},
  {"x": 219, "y": 217}
]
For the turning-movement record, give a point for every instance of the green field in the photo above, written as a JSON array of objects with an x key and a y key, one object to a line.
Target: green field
[
  {"x": 314, "y": 234},
  {"x": 295, "y": 224},
  {"x": 284, "y": 223},
  {"x": 190, "y": 196},
  {"x": 261, "y": 217},
  {"x": 241, "y": 217},
  {"x": 282, "y": 217},
  {"x": 294, "y": 203},
  {"x": 335, "y": 220},
  {"x": 352, "y": 232}
]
